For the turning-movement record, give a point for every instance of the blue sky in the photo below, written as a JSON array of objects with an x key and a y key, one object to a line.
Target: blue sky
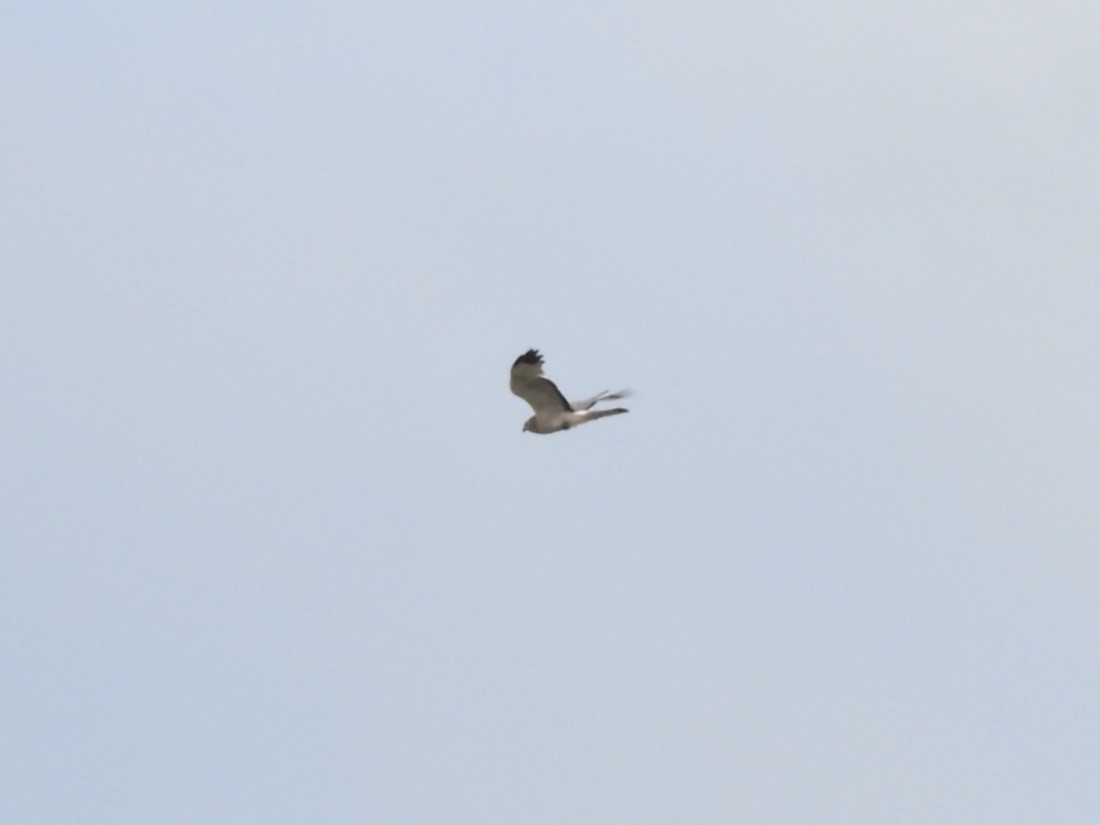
[{"x": 275, "y": 547}]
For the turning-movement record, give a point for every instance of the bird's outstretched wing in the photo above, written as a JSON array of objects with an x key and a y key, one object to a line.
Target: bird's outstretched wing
[
  {"x": 589, "y": 403},
  {"x": 532, "y": 386}
]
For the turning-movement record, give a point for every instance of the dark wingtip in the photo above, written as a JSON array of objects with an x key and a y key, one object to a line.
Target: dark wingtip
[{"x": 532, "y": 356}]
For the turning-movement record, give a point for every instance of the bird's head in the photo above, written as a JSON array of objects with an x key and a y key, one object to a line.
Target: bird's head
[{"x": 529, "y": 425}]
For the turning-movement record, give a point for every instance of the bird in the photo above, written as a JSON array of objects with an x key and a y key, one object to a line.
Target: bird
[{"x": 553, "y": 412}]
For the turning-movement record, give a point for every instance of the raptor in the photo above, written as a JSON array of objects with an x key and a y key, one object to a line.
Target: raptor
[{"x": 553, "y": 412}]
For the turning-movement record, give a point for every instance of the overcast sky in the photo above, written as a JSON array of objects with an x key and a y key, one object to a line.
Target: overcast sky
[{"x": 275, "y": 549}]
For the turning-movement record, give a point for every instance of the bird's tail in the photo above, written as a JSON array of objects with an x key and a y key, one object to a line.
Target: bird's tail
[{"x": 592, "y": 415}]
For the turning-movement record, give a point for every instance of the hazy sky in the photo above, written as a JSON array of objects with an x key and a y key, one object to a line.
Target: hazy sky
[{"x": 275, "y": 549}]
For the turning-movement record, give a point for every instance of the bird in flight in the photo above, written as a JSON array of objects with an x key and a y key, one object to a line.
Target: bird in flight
[{"x": 552, "y": 411}]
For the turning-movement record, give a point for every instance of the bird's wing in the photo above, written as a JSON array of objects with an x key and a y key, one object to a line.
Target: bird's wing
[
  {"x": 532, "y": 386},
  {"x": 588, "y": 403}
]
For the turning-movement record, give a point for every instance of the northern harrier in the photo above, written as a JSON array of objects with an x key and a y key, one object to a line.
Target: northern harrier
[{"x": 552, "y": 411}]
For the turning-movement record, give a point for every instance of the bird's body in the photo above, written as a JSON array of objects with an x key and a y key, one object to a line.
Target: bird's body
[{"x": 553, "y": 412}]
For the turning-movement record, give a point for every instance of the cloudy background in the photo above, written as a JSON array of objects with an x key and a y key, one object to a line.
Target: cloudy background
[{"x": 274, "y": 549}]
